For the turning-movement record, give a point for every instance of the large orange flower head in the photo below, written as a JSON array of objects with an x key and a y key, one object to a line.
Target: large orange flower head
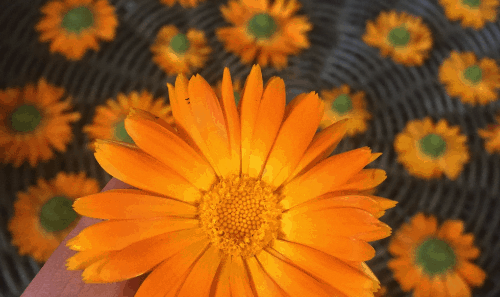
[
  {"x": 176, "y": 52},
  {"x": 268, "y": 32},
  {"x": 340, "y": 104},
  {"x": 108, "y": 122},
  {"x": 428, "y": 150},
  {"x": 402, "y": 36},
  {"x": 32, "y": 121},
  {"x": 491, "y": 137},
  {"x": 435, "y": 261},
  {"x": 235, "y": 202},
  {"x": 471, "y": 13},
  {"x": 74, "y": 26},
  {"x": 474, "y": 82},
  {"x": 43, "y": 215}
]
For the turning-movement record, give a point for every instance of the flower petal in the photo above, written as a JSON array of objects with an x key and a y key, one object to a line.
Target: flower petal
[
  {"x": 171, "y": 273},
  {"x": 140, "y": 257},
  {"x": 132, "y": 204},
  {"x": 142, "y": 170},
  {"x": 240, "y": 284},
  {"x": 326, "y": 176},
  {"x": 268, "y": 120},
  {"x": 302, "y": 118},
  {"x": 322, "y": 145},
  {"x": 365, "y": 179},
  {"x": 471, "y": 273},
  {"x": 201, "y": 276},
  {"x": 456, "y": 286},
  {"x": 115, "y": 235},
  {"x": 232, "y": 121},
  {"x": 265, "y": 286},
  {"x": 251, "y": 98},
  {"x": 335, "y": 272},
  {"x": 84, "y": 259},
  {"x": 164, "y": 145},
  {"x": 292, "y": 280}
]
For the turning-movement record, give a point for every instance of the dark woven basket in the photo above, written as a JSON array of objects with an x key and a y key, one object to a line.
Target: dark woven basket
[{"x": 395, "y": 95}]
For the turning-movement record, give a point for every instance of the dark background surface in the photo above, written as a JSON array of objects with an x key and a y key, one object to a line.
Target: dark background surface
[{"x": 395, "y": 95}]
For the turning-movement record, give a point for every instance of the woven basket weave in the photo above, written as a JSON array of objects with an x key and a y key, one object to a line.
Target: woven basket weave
[{"x": 395, "y": 95}]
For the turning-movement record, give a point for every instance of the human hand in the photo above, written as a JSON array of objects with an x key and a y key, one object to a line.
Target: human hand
[{"x": 54, "y": 280}]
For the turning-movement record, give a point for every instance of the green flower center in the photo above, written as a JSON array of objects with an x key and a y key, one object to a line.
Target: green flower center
[
  {"x": 57, "y": 214},
  {"x": 435, "y": 256},
  {"x": 25, "y": 118},
  {"x": 262, "y": 26},
  {"x": 473, "y": 74},
  {"x": 433, "y": 145},
  {"x": 399, "y": 36},
  {"x": 342, "y": 104},
  {"x": 121, "y": 134},
  {"x": 78, "y": 19},
  {"x": 237, "y": 97},
  {"x": 472, "y": 3},
  {"x": 179, "y": 43}
]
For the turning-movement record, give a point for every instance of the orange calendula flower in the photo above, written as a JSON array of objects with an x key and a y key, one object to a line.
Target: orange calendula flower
[
  {"x": 491, "y": 137},
  {"x": 427, "y": 150},
  {"x": 471, "y": 13},
  {"x": 435, "y": 261},
  {"x": 402, "y": 36},
  {"x": 184, "y": 3},
  {"x": 43, "y": 215},
  {"x": 237, "y": 90},
  {"x": 32, "y": 121},
  {"x": 270, "y": 32},
  {"x": 74, "y": 26},
  {"x": 108, "y": 122},
  {"x": 340, "y": 105},
  {"x": 475, "y": 82},
  {"x": 176, "y": 52},
  {"x": 234, "y": 198}
]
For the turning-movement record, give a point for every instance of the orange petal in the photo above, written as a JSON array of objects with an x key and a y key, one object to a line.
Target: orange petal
[
  {"x": 210, "y": 121},
  {"x": 456, "y": 286},
  {"x": 232, "y": 121},
  {"x": 201, "y": 276},
  {"x": 265, "y": 286},
  {"x": 326, "y": 176},
  {"x": 451, "y": 229},
  {"x": 171, "y": 273},
  {"x": 84, "y": 259},
  {"x": 249, "y": 106},
  {"x": 438, "y": 286},
  {"x": 115, "y": 235},
  {"x": 424, "y": 288},
  {"x": 295, "y": 135},
  {"x": 140, "y": 257},
  {"x": 90, "y": 275},
  {"x": 322, "y": 145},
  {"x": 133, "y": 204},
  {"x": 364, "y": 179},
  {"x": 292, "y": 280},
  {"x": 342, "y": 222},
  {"x": 142, "y": 171},
  {"x": 240, "y": 284},
  {"x": 335, "y": 272},
  {"x": 471, "y": 273},
  {"x": 268, "y": 121},
  {"x": 223, "y": 284},
  {"x": 164, "y": 145}
]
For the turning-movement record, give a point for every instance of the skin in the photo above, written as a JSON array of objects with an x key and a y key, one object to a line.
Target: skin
[{"x": 53, "y": 280}]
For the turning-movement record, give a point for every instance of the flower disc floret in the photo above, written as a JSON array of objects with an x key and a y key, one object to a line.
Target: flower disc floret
[
  {"x": 433, "y": 145},
  {"x": 262, "y": 26},
  {"x": 78, "y": 19},
  {"x": 57, "y": 214},
  {"x": 399, "y": 36},
  {"x": 435, "y": 256},
  {"x": 472, "y": 3},
  {"x": 180, "y": 43},
  {"x": 121, "y": 134},
  {"x": 342, "y": 104},
  {"x": 25, "y": 118},
  {"x": 473, "y": 74},
  {"x": 240, "y": 215}
]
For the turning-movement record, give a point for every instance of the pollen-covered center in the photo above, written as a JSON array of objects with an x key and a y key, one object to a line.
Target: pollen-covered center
[{"x": 240, "y": 215}]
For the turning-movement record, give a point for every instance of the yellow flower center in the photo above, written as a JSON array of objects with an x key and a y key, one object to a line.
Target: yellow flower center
[
  {"x": 399, "y": 36},
  {"x": 433, "y": 145},
  {"x": 473, "y": 74},
  {"x": 472, "y": 3},
  {"x": 240, "y": 215},
  {"x": 435, "y": 256},
  {"x": 121, "y": 134},
  {"x": 262, "y": 26},
  {"x": 342, "y": 104},
  {"x": 179, "y": 43},
  {"x": 78, "y": 19},
  {"x": 25, "y": 118},
  {"x": 57, "y": 214}
]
